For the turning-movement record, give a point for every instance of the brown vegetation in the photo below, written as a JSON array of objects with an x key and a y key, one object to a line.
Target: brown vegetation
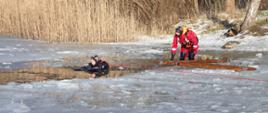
[
  {"x": 89, "y": 20},
  {"x": 42, "y": 71},
  {"x": 258, "y": 28},
  {"x": 94, "y": 21},
  {"x": 43, "y": 74},
  {"x": 39, "y": 71}
]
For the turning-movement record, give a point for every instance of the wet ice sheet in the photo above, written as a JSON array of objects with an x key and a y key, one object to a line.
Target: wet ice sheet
[
  {"x": 169, "y": 89},
  {"x": 163, "y": 90},
  {"x": 15, "y": 53}
]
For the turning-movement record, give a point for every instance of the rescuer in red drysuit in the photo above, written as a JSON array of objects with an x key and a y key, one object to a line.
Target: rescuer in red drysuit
[{"x": 189, "y": 43}]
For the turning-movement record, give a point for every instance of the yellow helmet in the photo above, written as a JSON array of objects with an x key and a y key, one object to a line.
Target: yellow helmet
[{"x": 184, "y": 29}]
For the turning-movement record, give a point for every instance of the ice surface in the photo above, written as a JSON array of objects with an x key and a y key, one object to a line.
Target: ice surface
[
  {"x": 160, "y": 90},
  {"x": 15, "y": 52},
  {"x": 166, "y": 89}
]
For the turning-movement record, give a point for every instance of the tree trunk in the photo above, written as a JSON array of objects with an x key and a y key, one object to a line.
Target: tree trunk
[
  {"x": 251, "y": 15},
  {"x": 229, "y": 6},
  {"x": 196, "y": 5}
]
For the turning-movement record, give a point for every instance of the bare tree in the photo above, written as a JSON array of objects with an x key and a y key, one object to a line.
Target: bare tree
[
  {"x": 229, "y": 6},
  {"x": 251, "y": 15}
]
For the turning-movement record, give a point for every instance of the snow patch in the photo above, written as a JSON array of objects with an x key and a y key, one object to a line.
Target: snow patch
[
  {"x": 153, "y": 51},
  {"x": 67, "y": 84},
  {"x": 67, "y": 52},
  {"x": 14, "y": 107},
  {"x": 264, "y": 27},
  {"x": 4, "y": 49},
  {"x": 6, "y": 63},
  {"x": 214, "y": 41},
  {"x": 214, "y": 71},
  {"x": 259, "y": 55}
]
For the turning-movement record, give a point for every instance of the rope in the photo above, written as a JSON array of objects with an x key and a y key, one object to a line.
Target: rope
[{"x": 226, "y": 76}]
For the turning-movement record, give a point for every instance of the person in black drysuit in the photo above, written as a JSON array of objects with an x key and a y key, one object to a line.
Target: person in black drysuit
[{"x": 97, "y": 67}]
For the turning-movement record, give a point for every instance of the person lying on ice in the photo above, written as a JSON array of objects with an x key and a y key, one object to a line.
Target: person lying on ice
[
  {"x": 96, "y": 67},
  {"x": 189, "y": 43}
]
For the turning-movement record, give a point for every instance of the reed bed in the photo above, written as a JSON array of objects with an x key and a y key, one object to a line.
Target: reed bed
[{"x": 90, "y": 21}]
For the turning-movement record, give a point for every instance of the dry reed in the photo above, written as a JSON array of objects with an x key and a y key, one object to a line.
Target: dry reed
[{"x": 90, "y": 21}]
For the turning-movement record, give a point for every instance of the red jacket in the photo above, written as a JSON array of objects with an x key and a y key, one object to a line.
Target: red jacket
[{"x": 190, "y": 36}]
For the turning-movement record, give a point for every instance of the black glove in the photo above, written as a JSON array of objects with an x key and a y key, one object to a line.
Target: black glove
[
  {"x": 184, "y": 43},
  {"x": 189, "y": 45}
]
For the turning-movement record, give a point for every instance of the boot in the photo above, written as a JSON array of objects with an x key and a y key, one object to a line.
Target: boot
[
  {"x": 172, "y": 57},
  {"x": 182, "y": 56},
  {"x": 191, "y": 55}
]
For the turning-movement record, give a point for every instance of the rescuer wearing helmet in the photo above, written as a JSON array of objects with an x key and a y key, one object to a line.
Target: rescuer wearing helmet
[{"x": 189, "y": 43}]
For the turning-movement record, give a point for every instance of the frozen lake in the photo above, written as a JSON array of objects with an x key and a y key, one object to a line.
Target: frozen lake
[{"x": 159, "y": 90}]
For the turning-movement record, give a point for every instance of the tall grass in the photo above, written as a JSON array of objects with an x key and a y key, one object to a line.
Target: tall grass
[{"x": 90, "y": 21}]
